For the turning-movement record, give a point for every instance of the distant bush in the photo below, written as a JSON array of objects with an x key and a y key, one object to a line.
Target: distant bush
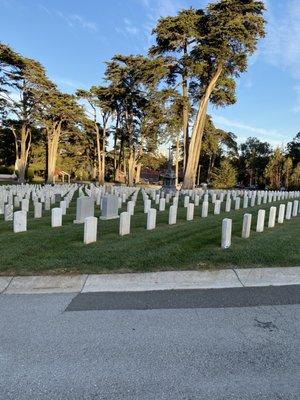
[
  {"x": 30, "y": 174},
  {"x": 7, "y": 170}
]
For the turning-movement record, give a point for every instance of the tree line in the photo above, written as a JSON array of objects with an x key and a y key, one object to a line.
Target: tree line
[{"x": 147, "y": 100}]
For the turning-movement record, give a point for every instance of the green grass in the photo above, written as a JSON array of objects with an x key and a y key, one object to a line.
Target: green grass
[{"x": 186, "y": 245}]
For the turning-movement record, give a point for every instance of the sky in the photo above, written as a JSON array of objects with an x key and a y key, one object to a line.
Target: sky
[{"x": 73, "y": 39}]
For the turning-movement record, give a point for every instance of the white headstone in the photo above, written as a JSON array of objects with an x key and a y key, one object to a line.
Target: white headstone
[
  {"x": 204, "y": 211},
  {"x": 217, "y": 207},
  {"x": 260, "y": 220},
  {"x": 63, "y": 206},
  {"x": 130, "y": 207},
  {"x": 124, "y": 227},
  {"x": 162, "y": 204},
  {"x": 246, "y": 225},
  {"x": 151, "y": 218},
  {"x": 288, "y": 213},
  {"x": 90, "y": 230},
  {"x": 281, "y": 213},
  {"x": 25, "y": 205},
  {"x": 186, "y": 201},
  {"x": 295, "y": 208},
  {"x": 190, "y": 212},
  {"x": 8, "y": 212},
  {"x": 226, "y": 233},
  {"x": 38, "y": 210},
  {"x": 272, "y": 217},
  {"x": 147, "y": 205},
  {"x": 20, "y": 221},
  {"x": 56, "y": 217},
  {"x": 173, "y": 214}
]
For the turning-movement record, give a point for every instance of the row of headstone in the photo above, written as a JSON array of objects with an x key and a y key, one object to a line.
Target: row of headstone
[{"x": 285, "y": 211}]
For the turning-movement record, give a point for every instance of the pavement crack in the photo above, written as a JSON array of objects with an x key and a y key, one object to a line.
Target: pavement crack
[{"x": 238, "y": 277}]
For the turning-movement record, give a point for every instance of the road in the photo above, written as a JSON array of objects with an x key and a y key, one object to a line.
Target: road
[{"x": 141, "y": 347}]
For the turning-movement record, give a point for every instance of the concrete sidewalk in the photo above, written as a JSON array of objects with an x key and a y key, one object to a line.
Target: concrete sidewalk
[{"x": 139, "y": 282}]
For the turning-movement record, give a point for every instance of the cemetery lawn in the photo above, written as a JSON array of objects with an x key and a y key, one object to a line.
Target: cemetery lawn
[{"x": 186, "y": 245}]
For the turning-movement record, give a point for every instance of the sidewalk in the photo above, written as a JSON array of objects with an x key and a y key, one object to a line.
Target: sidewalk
[{"x": 139, "y": 282}]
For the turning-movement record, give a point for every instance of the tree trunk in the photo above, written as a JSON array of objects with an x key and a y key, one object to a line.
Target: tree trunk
[
  {"x": 22, "y": 147},
  {"x": 131, "y": 168},
  {"x": 185, "y": 120},
  {"x": 138, "y": 173},
  {"x": 53, "y": 137},
  {"x": 196, "y": 139},
  {"x": 177, "y": 162}
]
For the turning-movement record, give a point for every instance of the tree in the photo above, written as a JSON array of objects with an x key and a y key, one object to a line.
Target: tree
[
  {"x": 228, "y": 33},
  {"x": 296, "y": 176},
  {"x": 293, "y": 149},
  {"x": 100, "y": 99},
  {"x": 287, "y": 171},
  {"x": 253, "y": 160},
  {"x": 134, "y": 78},
  {"x": 59, "y": 110},
  {"x": 23, "y": 83},
  {"x": 274, "y": 169},
  {"x": 225, "y": 176},
  {"x": 214, "y": 141},
  {"x": 175, "y": 36}
]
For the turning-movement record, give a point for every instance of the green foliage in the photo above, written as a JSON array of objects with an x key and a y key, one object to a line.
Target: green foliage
[
  {"x": 225, "y": 176},
  {"x": 274, "y": 169},
  {"x": 30, "y": 174}
]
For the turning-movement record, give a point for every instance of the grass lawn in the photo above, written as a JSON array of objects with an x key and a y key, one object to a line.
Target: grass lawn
[{"x": 186, "y": 245}]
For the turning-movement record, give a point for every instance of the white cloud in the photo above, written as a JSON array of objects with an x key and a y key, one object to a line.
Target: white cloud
[
  {"x": 75, "y": 20},
  {"x": 273, "y": 136},
  {"x": 281, "y": 46},
  {"x": 130, "y": 28}
]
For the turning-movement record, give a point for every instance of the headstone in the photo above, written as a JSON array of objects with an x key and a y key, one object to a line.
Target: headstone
[
  {"x": 190, "y": 212},
  {"x": 196, "y": 201},
  {"x": 172, "y": 214},
  {"x": 186, "y": 201},
  {"x": 217, "y": 207},
  {"x": 204, "y": 211},
  {"x": 151, "y": 218},
  {"x": 162, "y": 204},
  {"x": 56, "y": 217},
  {"x": 237, "y": 203},
  {"x": 260, "y": 220},
  {"x": 246, "y": 226},
  {"x": 84, "y": 209},
  {"x": 228, "y": 204},
  {"x": 124, "y": 227},
  {"x": 130, "y": 207},
  {"x": 63, "y": 206},
  {"x": 245, "y": 201},
  {"x": 295, "y": 208},
  {"x": 20, "y": 221},
  {"x": 109, "y": 207},
  {"x": 47, "y": 204},
  {"x": 147, "y": 205},
  {"x": 90, "y": 230},
  {"x": 38, "y": 210},
  {"x": 25, "y": 205},
  {"x": 281, "y": 213},
  {"x": 272, "y": 217},
  {"x": 288, "y": 213},
  {"x": 226, "y": 233},
  {"x": 8, "y": 212}
]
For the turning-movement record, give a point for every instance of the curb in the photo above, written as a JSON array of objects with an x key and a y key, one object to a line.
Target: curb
[{"x": 151, "y": 281}]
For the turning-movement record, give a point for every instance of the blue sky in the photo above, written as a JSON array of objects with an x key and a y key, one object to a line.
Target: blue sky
[{"x": 72, "y": 39}]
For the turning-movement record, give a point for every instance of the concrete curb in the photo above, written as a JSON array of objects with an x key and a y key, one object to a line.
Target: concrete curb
[{"x": 139, "y": 282}]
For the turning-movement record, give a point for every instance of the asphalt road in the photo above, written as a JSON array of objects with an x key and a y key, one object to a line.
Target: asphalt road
[{"x": 195, "y": 353}]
